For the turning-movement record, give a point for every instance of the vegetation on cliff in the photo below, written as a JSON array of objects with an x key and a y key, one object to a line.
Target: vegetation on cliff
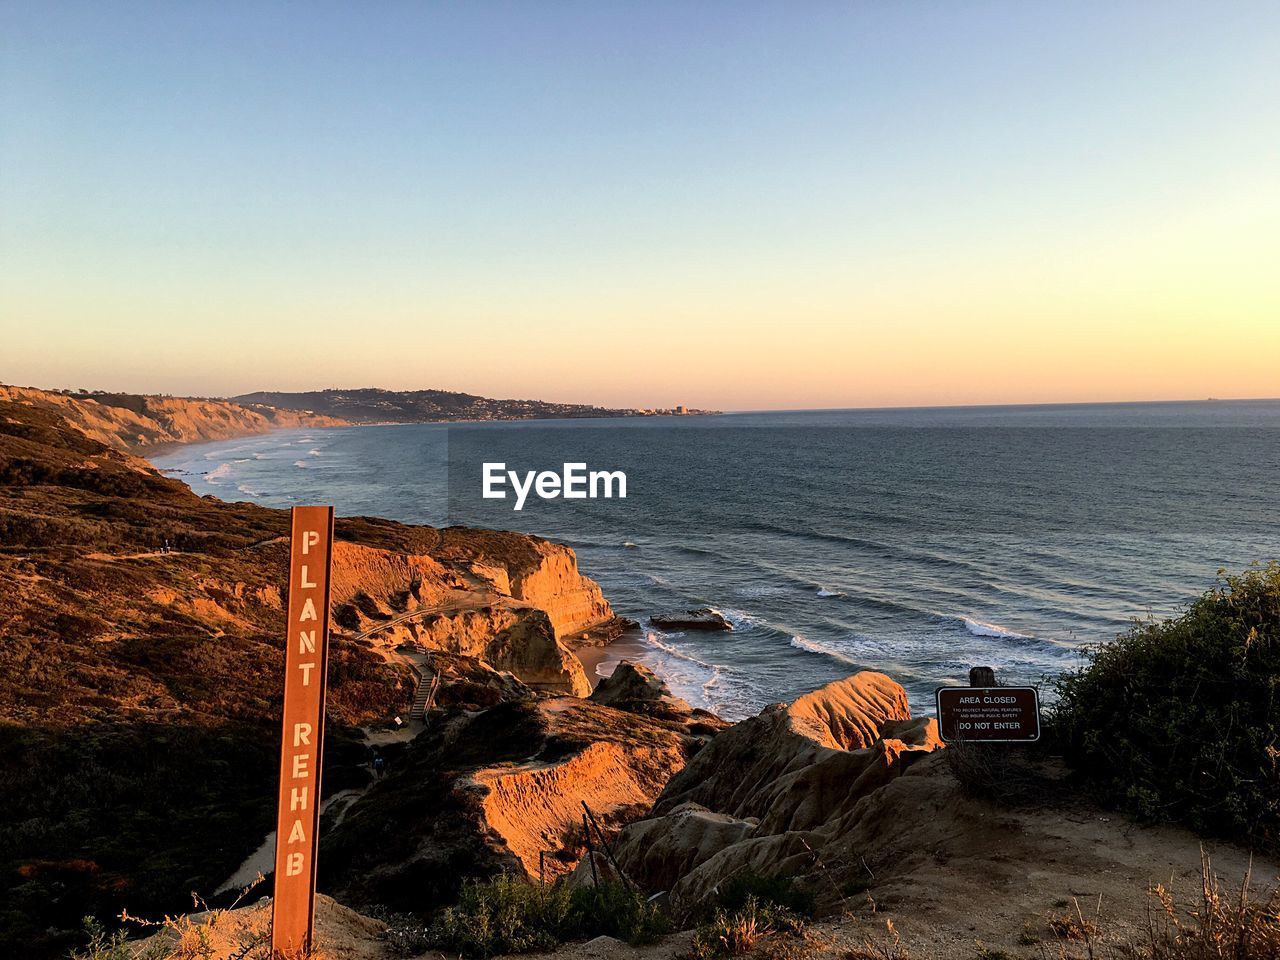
[{"x": 1179, "y": 720}]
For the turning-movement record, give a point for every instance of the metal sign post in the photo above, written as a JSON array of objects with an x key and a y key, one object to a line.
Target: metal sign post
[{"x": 302, "y": 743}]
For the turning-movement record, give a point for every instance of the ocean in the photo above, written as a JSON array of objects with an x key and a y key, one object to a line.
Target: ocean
[{"x": 918, "y": 542}]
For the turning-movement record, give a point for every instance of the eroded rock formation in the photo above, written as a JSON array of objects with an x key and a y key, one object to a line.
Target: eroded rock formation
[
  {"x": 773, "y": 793},
  {"x": 499, "y": 791},
  {"x": 633, "y": 686}
]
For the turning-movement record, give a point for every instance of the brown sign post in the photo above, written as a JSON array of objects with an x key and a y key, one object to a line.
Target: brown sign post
[
  {"x": 302, "y": 745},
  {"x": 1008, "y": 714}
]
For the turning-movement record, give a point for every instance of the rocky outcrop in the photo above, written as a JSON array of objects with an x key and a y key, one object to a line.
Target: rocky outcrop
[
  {"x": 499, "y": 791},
  {"x": 702, "y": 618},
  {"x": 535, "y": 572},
  {"x": 770, "y": 794},
  {"x": 573, "y": 603},
  {"x": 633, "y": 686},
  {"x": 493, "y": 596},
  {"x": 133, "y": 421}
]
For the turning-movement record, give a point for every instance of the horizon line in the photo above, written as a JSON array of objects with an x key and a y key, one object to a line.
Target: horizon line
[{"x": 1006, "y": 404}]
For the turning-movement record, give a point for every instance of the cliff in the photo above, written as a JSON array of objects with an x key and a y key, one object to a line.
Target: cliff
[
  {"x": 500, "y": 790},
  {"x": 140, "y": 668},
  {"x": 137, "y": 422}
]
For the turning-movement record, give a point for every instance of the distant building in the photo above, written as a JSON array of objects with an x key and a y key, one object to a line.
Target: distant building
[{"x": 682, "y": 409}]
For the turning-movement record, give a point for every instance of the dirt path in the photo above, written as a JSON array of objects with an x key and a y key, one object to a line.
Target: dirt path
[{"x": 263, "y": 860}]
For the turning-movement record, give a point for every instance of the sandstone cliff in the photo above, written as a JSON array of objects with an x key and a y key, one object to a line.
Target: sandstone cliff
[
  {"x": 535, "y": 571},
  {"x": 774, "y": 793},
  {"x": 136, "y": 422},
  {"x": 499, "y": 790},
  {"x": 509, "y": 600}
]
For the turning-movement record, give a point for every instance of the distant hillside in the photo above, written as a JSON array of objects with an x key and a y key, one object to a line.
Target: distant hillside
[
  {"x": 374, "y": 405},
  {"x": 133, "y": 422}
]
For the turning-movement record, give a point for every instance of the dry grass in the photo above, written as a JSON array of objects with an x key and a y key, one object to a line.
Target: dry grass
[
  {"x": 732, "y": 933},
  {"x": 889, "y": 947},
  {"x": 1223, "y": 925},
  {"x": 1074, "y": 927}
]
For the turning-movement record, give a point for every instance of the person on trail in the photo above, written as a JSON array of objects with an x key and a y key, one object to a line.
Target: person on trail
[{"x": 379, "y": 766}]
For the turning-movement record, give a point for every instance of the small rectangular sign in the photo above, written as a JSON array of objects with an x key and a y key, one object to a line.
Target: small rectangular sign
[
  {"x": 1008, "y": 714},
  {"x": 302, "y": 744}
]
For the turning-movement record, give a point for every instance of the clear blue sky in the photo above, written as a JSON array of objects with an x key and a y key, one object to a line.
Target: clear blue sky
[{"x": 725, "y": 204}]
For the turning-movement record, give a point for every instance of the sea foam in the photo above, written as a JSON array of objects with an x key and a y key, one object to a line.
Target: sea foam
[
  {"x": 980, "y": 628},
  {"x": 810, "y": 646}
]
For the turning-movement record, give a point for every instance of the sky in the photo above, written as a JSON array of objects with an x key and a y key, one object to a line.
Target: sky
[{"x": 736, "y": 205}]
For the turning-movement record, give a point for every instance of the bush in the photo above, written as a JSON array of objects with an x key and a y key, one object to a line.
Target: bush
[
  {"x": 777, "y": 891},
  {"x": 509, "y": 915},
  {"x": 1179, "y": 720},
  {"x": 615, "y": 910}
]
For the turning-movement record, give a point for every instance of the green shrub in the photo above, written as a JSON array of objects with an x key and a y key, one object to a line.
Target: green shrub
[
  {"x": 1179, "y": 720},
  {"x": 510, "y": 915},
  {"x": 102, "y": 945},
  {"x": 778, "y": 891},
  {"x": 615, "y": 910}
]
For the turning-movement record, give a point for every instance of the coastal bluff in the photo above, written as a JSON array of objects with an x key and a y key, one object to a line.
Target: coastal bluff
[
  {"x": 138, "y": 422},
  {"x": 143, "y": 630}
]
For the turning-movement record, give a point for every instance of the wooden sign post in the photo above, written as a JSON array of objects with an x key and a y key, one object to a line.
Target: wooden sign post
[{"x": 302, "y": 744}]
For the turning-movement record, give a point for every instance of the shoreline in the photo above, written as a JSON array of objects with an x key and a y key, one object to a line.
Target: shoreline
[{"x": 609, "y": 655}]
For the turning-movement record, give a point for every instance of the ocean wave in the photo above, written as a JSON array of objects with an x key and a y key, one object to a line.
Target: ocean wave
[
  {"x": 980, "y": 628},
  {"x": 701, "y": 683},
  {"x": 716, "y": 673},
  {"x": 247, "y": 490},
  {"x": 220, "y": 472},
  {"x": 741, "y": 619},
  {"x": 809, "y": 646},
  {"x": 314, "y": 452},
  {"x": 667, "y": 648},
  {"x": 823, "y": 592},
  {"x": 301, "y": 464},
  {"x": 627, "y": 544}
]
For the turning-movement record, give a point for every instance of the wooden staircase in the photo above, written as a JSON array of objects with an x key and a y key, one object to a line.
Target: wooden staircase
[{"x": 424, "y": 696}]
